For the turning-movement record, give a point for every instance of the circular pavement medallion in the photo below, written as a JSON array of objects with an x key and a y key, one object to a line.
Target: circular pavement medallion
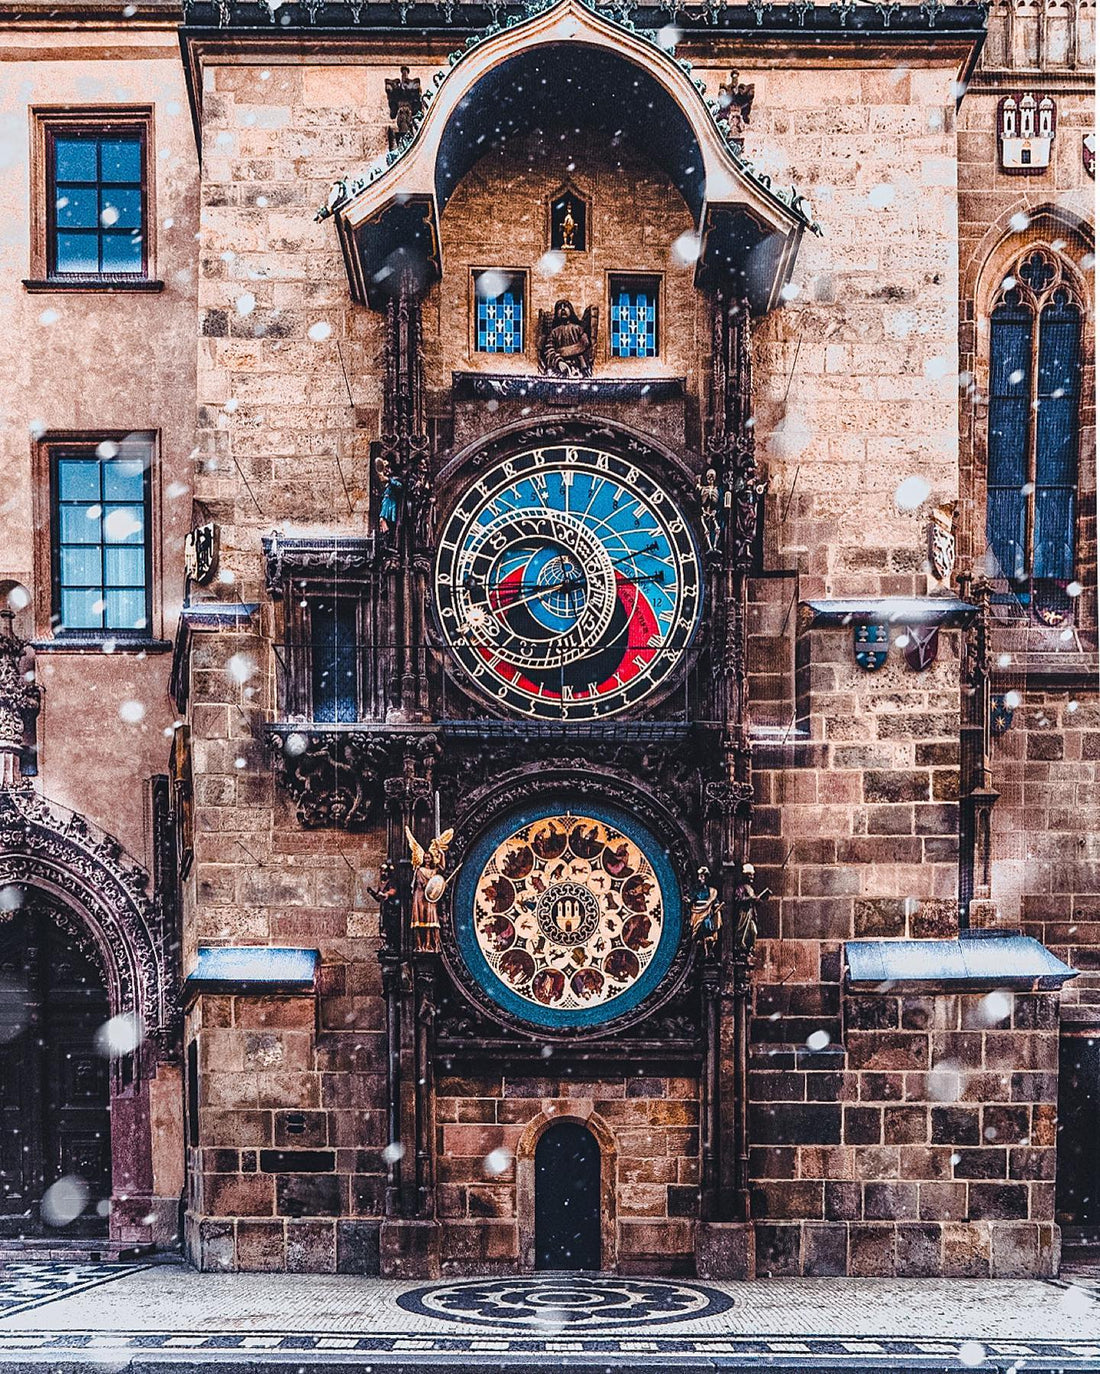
[{"x": 554, "y": 1302}]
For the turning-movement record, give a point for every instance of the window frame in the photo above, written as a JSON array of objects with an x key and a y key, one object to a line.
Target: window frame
[
  {"x": 50, "y": 123},
  {"x": 1034, "y": 304},
  {"x": 516, "y": 274},
  {"x": 657, "y": 281},
  {"x": 50, "y": 636},
  {"x": 299, "y": 597}
]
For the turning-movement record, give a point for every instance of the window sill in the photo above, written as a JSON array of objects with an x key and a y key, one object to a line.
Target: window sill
[
  {"x": 94, "y": 644},
  {"x": 102, "y": 284}
]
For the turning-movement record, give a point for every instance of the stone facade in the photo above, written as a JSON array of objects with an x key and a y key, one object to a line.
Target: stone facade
[{"x": 379, "y": 1119}]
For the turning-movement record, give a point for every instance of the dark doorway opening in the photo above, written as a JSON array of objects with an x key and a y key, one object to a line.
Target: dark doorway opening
[
  {"x": 1077, "y": 1192},
  {"x": 54, "y": 1083},
  {"x": 567, "y": 1198}
]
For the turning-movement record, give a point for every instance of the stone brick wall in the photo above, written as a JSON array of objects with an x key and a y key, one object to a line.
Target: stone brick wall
[
  {"x": 1046, "y": 831},
  {"x": 650, "y": 1127},
  {"x": 924, "y": 1145}
]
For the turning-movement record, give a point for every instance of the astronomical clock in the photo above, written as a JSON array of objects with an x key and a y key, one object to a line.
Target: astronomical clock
[
  {"x": 568, "y": 584},
  {"x": 568, "y": 593}
]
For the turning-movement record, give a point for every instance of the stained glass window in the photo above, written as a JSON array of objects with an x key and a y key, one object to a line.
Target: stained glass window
[
  {"x": 499, "y": 312},
  {"x": 634, "y": 317},
  {"x": 1034, "y": 395},
  {"x": 101, "y": 541},
  {"x": 97, "y": 208}
]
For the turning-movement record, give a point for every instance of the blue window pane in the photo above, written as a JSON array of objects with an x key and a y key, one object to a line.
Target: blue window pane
[
  {"x": 120, "y": 159},
  {"x": 80, "y": 609},
  {"x": 123, "y": 479},
  {"x": 1010, "y": 352},
  {"x": 500, "y": 321},
  {"x": 1006, "y": 531},
  {"x": 78, "y": 479},
  {"x": 75, "y": 159},
  {"x": 81, "y": 566},
  {"x": 100, "y": 541},
  {"x": 120, "y": 208},
  {"x": 123, "y": 566},
  {"x": 97, "y": 194},
  {"x": 121, "y": 253},
  {"x": 1059, "y": 385},
  {"x": 78, "y": 252},
  {"x": 123, "y": 524},
  {"x": 1054, "y": 519},
  {"x": 77, "y": 207},
  {"x": 78, "y": 526},
  {"x": 125, "y": 610},
  {"x": 634, "y": 322},
  {"x": 335, "y": 661}
]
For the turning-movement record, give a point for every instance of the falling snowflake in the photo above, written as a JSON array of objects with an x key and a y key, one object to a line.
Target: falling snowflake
[
  {"x": 120, "y": 1035},
  {"x": 63, "y": 1201},
  {"x": 911, "y": 493},
  {"x": 131, "y": 712},
  {"x": 320, "y": 331},
  {"x": 497, "y": 1161}
]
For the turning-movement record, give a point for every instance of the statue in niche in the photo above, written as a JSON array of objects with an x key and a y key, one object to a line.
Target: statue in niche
[
  {"x": 709, "y": 494},
  {"x": 747, "y": 900},
  {"x": 429, "y": 884},
  {"x": 567, "y": 344},
  {"x": 706, "y": 910},
  {"x": 405, "y": 102},
  {"x": 735, "y": 105},
  {"x": 568, "y": 222}
]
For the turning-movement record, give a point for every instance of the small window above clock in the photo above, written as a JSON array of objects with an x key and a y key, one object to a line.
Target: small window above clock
[
  {"x": 499, "y": 311},
  {"x": 634, "y": 315}
]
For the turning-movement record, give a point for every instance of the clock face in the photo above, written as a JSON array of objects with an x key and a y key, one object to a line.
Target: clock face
[
  {"x": 567, "y": 919},
  {"x": 568, "y": 583}
]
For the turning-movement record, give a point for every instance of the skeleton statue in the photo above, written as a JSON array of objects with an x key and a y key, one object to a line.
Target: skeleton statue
[
  {"x": 709, "y": 495},
  {"x": 706, "y": 910},
  {"x": 429, "y": 884},
  {"x": 566, "y": 343}
]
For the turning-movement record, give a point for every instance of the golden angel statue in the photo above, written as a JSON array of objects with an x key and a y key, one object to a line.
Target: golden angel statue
[{"x": 429, "y": 884}]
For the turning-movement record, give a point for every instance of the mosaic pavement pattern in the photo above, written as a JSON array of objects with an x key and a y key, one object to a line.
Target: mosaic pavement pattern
[{"x": 86, "y": 1310}]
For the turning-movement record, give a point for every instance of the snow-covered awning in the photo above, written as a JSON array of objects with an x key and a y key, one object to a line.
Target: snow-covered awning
[
  {"x": 253, "y": 968},
  {"x": 978, "y": 959}
]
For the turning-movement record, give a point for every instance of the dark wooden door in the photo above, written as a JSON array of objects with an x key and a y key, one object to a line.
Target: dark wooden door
[
  {"x": 1077, "y": 1198},
  {"x": 54, "y": 1082},
  {"x": 567, "y": 1198}
]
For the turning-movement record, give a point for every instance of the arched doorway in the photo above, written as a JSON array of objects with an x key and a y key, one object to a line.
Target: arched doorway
[
  {"x": 567, "y": 1198},
  {"x": 54, "y": 1083}
]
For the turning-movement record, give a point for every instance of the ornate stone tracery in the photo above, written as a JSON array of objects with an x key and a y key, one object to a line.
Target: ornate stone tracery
[{"x": 89, "y": 871}]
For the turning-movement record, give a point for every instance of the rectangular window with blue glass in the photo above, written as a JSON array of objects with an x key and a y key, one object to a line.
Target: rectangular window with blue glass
[
  {"x": 97, "y": 203},
  {"x": 101, "y": 546},
  {"x": 634, "y": 312},
  {"x": 499, "y": 310}
]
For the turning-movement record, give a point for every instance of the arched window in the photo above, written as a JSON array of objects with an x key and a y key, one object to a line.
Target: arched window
[{"x": 1034, "y": 389}]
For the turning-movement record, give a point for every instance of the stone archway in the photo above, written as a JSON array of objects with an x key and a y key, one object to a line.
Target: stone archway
[
  {"x": 580, "y": 1114},
  {"x": 99, "y": 895}
]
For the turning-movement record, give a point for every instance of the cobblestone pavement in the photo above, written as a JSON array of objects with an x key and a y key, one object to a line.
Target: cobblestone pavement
[{"x": 61, "y": 1316}]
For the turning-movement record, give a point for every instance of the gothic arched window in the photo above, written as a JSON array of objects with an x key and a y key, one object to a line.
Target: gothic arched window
[{"x": 1034, "y": 391}]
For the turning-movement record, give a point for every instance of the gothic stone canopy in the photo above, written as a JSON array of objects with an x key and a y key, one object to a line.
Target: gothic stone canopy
[{"x": 567, "y": 57}]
